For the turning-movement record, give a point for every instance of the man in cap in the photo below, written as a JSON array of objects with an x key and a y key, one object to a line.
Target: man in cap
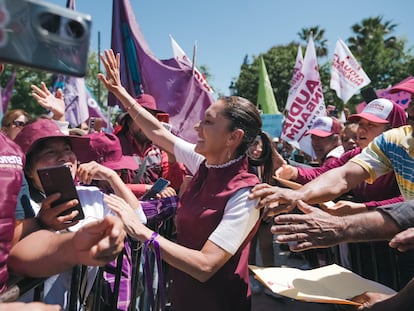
[
  {"x": 391, "y": 151},
  {"x": 326, "y": 140},
  {"x": 153, "y": 162}
]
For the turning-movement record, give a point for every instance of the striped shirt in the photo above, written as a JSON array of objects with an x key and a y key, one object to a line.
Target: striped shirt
[{"x": 391, "y": 151}]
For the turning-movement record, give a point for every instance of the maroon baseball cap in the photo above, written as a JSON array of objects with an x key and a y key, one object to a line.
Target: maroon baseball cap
[
  {"x": 42, "y": 129},
  {"x": 325, "y": 126},
  {"x": 147, "y": 101},
  {"x": 407, "y": 86},
  {"x": 106, "y": 149}
]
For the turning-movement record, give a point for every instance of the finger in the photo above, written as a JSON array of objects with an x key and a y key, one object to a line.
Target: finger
[
  {"x": 305, "y": 208},
  {"x": 44, "y": 88},
  {"x": 59, "y": 94}
]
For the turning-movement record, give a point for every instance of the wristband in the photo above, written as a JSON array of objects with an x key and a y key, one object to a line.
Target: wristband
[{"x": 151, "y": 240}]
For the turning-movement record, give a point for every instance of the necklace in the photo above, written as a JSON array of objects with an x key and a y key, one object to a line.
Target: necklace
[{"x": 224, "y": 164}]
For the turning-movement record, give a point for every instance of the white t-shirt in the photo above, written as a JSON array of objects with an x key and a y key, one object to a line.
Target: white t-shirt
[{"x": 240, "y": 214}]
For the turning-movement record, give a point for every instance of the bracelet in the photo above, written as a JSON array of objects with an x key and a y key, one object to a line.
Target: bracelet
[{"x": 151, "y": 240}]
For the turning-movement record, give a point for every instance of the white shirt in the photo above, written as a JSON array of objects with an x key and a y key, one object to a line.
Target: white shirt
[{"x": 240, "y": 214}]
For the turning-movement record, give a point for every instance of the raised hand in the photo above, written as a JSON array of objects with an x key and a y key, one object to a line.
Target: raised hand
[{"x": 48, "y": 101}]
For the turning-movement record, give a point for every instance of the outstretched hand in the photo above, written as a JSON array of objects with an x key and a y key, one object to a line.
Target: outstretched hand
[
  {"x": 275, "y": 200},
  {"x": 132, "y": 224},
  {"x": 314, "y": 229},
  {"x": 99, "y": 242},
  {"x": 403, "y": 241}
]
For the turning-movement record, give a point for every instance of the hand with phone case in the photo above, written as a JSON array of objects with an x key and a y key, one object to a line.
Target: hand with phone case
[
  {"x": 61, "y": 195},
  {"x": 155, "y": 189}
]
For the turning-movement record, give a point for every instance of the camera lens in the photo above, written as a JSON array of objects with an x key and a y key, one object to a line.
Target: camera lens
[
  {"x": 74, "y": 29},
  {"x": 50, "y": 22}
]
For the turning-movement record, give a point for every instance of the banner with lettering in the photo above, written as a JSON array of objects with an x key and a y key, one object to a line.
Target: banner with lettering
[
  {"x": 347, "y": 76},
  {"x": 308, "y": 103},
  {"x": 296, "y": 78}
]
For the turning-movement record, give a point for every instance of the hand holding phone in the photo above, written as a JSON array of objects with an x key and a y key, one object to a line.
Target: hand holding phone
[
  {"x": 156, "y": 188},
  {"x": 58, "y": 179}
]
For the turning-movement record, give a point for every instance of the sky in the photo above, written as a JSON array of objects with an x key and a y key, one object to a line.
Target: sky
[{"x": 228, "y": 30}]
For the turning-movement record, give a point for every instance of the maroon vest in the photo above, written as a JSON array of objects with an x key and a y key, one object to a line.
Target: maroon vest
[
  {"x": 11, "y": 168},
  {"x": 201, "y": 210}
]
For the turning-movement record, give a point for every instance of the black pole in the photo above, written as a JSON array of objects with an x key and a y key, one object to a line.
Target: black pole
[{"x": 99, "y": 65}]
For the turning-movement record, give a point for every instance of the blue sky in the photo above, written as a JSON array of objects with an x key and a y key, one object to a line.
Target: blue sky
[{"x": 228, "y": 30}]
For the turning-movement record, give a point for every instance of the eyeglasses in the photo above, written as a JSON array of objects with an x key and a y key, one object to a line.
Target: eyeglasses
[{"x": 18, "y": 123}]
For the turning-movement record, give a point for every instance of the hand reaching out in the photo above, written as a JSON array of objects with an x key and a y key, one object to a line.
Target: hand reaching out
[{"x": 53, "y": 103}]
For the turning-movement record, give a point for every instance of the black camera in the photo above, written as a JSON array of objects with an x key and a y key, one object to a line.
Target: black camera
[{"x": 45, "y": 36}]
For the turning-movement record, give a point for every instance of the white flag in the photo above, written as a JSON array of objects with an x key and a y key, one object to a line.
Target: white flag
[
  {"x": 308, "y": 103},
  {"x": 180, "y": 56},
  {"x": 347, "y": 76},
  {"x": 296, "y": 78}
]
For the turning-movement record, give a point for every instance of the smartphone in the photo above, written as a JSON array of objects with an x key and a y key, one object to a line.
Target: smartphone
[
  {"x": 156, "y": 188},
  {"x": 59, "y": 179},
  {"x": 164, "y": 118},
  {"x": 45, "y": 36}
]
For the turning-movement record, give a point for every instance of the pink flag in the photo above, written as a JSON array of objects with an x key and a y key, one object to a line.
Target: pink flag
[
  {"x": 347, "y": 76},
  {"x": 170, "y": 82},
  {"x": 296, "y": 78},
  {"x": 308, "y": 103}
]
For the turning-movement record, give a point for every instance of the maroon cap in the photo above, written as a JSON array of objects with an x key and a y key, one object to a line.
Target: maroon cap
[
  {"x": 407, "y": 86},
  {"x": 106, "y": 149},
  {"x": 42, "y": 129},
  {"x": 148, "y": 102},
  {"x": 325, "y": 126}
]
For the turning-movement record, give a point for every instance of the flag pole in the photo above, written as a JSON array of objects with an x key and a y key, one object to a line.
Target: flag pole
[{"x": 194, "y": 55}]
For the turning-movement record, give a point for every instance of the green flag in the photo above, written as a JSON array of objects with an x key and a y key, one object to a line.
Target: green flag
[{"x": 266, "y": 98}]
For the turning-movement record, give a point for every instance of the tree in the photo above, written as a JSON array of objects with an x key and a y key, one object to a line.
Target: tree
[
  {"x": 321, "y": 44},
  {"x": 279, "y": 61},
  {"x": 21, "y": 96},
  {"x": 382, "y": 56}
]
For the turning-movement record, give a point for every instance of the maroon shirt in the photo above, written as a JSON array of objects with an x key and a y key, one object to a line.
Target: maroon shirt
[{"x": 200, "y": 211}]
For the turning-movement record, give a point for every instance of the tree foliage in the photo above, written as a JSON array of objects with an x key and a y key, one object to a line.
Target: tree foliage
[{"x": 384, "y": 57}]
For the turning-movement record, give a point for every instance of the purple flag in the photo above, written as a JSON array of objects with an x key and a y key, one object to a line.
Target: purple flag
[
  {"x": 7, "y": 92},
  {"x": 173, "y": 85},
  {"x": 95, "y": 110}
]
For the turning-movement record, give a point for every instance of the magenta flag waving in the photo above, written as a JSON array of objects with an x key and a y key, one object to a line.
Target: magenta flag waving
[{"x": 171, "y": 83}]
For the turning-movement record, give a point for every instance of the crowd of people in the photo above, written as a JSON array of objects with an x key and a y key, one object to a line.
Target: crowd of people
[{"x": 228, "y": 205}]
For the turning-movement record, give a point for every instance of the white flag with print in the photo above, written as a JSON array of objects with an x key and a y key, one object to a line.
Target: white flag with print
[
  {"x": 308, "y": 103},
  {"x": 347, "y": 76},
  {"x": 180, "y": 56},
  {"x": 296, "y": 78}
]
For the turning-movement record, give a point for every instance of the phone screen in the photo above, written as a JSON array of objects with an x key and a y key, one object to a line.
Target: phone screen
[
  {"x": 58, "y": 179},
  {"x": 156, "y": 188}
]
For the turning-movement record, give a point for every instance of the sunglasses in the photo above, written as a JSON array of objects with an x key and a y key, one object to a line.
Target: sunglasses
[{"x": 19, "y": 123}]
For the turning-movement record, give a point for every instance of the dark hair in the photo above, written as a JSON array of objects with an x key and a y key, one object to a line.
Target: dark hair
[
  {"x": 244, "y": 115},
  {"x": 32, "y": 156},
  {"x": 267, "y": 158}
]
